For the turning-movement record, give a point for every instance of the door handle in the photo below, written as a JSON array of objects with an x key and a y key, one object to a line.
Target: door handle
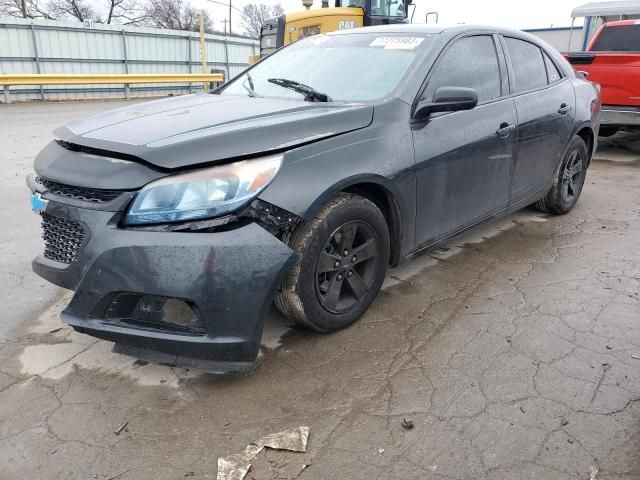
[
  {"x": 564, "y": 109},
  {"x": 505, "y": 130}
]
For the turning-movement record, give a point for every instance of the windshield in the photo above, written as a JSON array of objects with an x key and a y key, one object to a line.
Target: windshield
[{"x": 354, "y": 67}]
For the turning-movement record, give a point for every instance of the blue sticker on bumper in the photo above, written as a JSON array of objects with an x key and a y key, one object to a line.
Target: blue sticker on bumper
[{"x": 38, "y": 204}]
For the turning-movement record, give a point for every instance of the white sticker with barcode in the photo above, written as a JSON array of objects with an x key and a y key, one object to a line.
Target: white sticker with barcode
[{"x": 397, "y": 43}]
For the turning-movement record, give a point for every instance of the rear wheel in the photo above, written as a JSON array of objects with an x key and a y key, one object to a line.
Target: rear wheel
[
  {"x": 567, "y": 185},
  {"x": 343, "y": 257}
]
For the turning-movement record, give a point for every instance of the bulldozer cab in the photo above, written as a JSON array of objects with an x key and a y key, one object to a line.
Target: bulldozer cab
[
  {"x": 377, "y": 12},
  {"x": 346, "y": 14}
]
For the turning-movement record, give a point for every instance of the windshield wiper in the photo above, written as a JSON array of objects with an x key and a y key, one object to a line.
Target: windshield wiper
[
  {"x": 310, "y": 94},
  {"x": 249, "y": 88}
]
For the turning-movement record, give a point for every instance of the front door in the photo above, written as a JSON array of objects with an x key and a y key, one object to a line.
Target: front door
[{"x": 464, "y": 159}]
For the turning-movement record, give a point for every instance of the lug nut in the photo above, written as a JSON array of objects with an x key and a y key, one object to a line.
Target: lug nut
[
  {"x": 340, "y": 277},
  {"x": 353, "y": 260},
  {"x": 350, "y": 273},
  {"x": 337, "y": 264},
  {"x": 346, "y": 252}
]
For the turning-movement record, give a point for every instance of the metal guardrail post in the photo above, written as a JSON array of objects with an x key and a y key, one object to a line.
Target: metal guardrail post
[
  {"x": 7, "y": 97},
  {"x": 188, "y": 37},
  {"x": 126, "y": 62},
  {"x": 226, "y": 59},
  {"x": 36, "y": 55}
]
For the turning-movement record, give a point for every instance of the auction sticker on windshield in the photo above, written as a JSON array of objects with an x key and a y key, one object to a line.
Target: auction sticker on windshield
[{"x": 397, "y": 43}]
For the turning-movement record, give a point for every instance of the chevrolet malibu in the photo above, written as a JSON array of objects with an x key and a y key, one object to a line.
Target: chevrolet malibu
[{"x": 179, "y": 222}]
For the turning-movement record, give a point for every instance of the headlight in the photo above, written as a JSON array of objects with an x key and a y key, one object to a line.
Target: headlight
[{"x": 205, "y": 193}]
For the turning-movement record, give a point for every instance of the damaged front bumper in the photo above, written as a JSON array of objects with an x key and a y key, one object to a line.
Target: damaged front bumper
[{"x": 191, "y": 299}]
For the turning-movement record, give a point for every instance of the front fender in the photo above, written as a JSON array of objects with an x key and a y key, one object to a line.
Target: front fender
[{"x": 381, "y": 154}]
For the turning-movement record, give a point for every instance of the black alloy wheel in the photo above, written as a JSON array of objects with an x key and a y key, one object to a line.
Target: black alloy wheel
[
  {"x": 347, "y": 266},
  {"x": 573, "y": 176},
  {"x": 568, "y": 181},
  {"x": 343, "y": 254}
]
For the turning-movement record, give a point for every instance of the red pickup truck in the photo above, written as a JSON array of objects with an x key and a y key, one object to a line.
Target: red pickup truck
[{"x": 612, "y": 59}]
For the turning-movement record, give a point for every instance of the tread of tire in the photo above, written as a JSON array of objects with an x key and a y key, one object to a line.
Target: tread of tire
[{"x": 286, "y": 298}]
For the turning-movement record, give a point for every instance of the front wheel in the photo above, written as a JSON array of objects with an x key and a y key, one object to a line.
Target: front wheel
[
  {"x": 569, "y": 181},
  {"x": 343, "y": 257}
]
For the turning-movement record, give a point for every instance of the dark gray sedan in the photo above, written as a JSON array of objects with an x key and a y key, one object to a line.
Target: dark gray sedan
[{"x": 179, "y": 222}]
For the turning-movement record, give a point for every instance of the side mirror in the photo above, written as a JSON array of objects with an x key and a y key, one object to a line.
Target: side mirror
[{"x": 447, "y": 99}]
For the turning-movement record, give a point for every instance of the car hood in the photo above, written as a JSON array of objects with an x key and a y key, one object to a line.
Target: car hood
[{"x": 203, "y": 128}]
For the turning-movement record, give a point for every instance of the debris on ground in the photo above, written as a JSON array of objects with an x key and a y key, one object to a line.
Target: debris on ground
[
  {"x": 121, "y": 427},
  {"x": 236, "y": 467},
  {"x": 407, "y": 424},
  {"x": 277, "y": 464},
  {"x": 564, "y": 422},
  {"x": 635, "y": 357},
  {"x": 120, "y": 475},
  {"x": 594, "y": 473}
]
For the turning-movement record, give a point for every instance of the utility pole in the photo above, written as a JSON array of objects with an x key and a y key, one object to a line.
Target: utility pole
[{"x": 230, "y": 17}]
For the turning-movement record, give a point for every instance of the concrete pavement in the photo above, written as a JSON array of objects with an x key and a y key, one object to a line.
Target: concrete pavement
[{"x": 511, "y": 351}]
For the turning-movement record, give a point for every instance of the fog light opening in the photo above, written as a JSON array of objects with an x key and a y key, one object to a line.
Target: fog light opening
[{"x": 155, "y": 312}]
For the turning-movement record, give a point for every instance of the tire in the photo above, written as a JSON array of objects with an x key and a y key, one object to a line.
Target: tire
[
  {"x": 567, "y": 185},
  {"x": 308, "y": 295}
]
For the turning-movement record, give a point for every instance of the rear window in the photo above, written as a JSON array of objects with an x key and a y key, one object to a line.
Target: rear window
[
  {"x": 528, "y": 65},
  {"x": 621, "y": 38},
  {"x": 552, "y": 71}
]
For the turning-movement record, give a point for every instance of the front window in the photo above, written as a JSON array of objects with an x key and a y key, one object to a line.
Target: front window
[
  {"x": 470, "y": 62},
  {"x": 388, "y": 8},
  {"x": 351, "y": 3},
  {"x": 352, "y": 68}
]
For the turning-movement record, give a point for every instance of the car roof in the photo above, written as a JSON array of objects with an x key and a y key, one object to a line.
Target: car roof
[{"x": 423, "y": 28}]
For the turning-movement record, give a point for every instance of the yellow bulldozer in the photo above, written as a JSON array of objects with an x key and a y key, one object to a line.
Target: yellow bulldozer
[{"x": 345, "y": 14}]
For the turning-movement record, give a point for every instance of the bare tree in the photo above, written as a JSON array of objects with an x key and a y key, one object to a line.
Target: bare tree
[
  {"x": 256, "y": 14},
  {"x": 80, "y": 10},
  {"x": 126, "y": 12},
  {"x": 175, "y": 14},
  {"x": 23, "y": 9}
]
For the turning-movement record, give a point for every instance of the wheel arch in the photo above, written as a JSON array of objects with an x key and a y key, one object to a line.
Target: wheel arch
[
  {"x": 378, "y": 190},
  {"x": 586, "y": 133}
]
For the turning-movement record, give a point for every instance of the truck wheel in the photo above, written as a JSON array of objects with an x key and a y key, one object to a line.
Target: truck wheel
[
  {"x": 567, "y": 185},
  {"x": 343, "y": 257}
]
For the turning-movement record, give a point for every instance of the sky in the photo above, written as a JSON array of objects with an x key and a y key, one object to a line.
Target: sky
[{"x": 515, "y": 13}]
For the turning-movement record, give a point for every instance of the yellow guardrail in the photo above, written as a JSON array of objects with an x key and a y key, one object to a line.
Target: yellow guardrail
[{"x": 80, "y": 79}]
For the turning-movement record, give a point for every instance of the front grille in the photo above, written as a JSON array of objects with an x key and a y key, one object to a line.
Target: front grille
[
  {"x": 94, "y": 195},
  {"x": 62, "y": 238}
]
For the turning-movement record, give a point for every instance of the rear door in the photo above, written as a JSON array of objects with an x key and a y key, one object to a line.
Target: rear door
[
  {"x": 545, "y": 106},
  {"x": 464, "y": 159}
]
